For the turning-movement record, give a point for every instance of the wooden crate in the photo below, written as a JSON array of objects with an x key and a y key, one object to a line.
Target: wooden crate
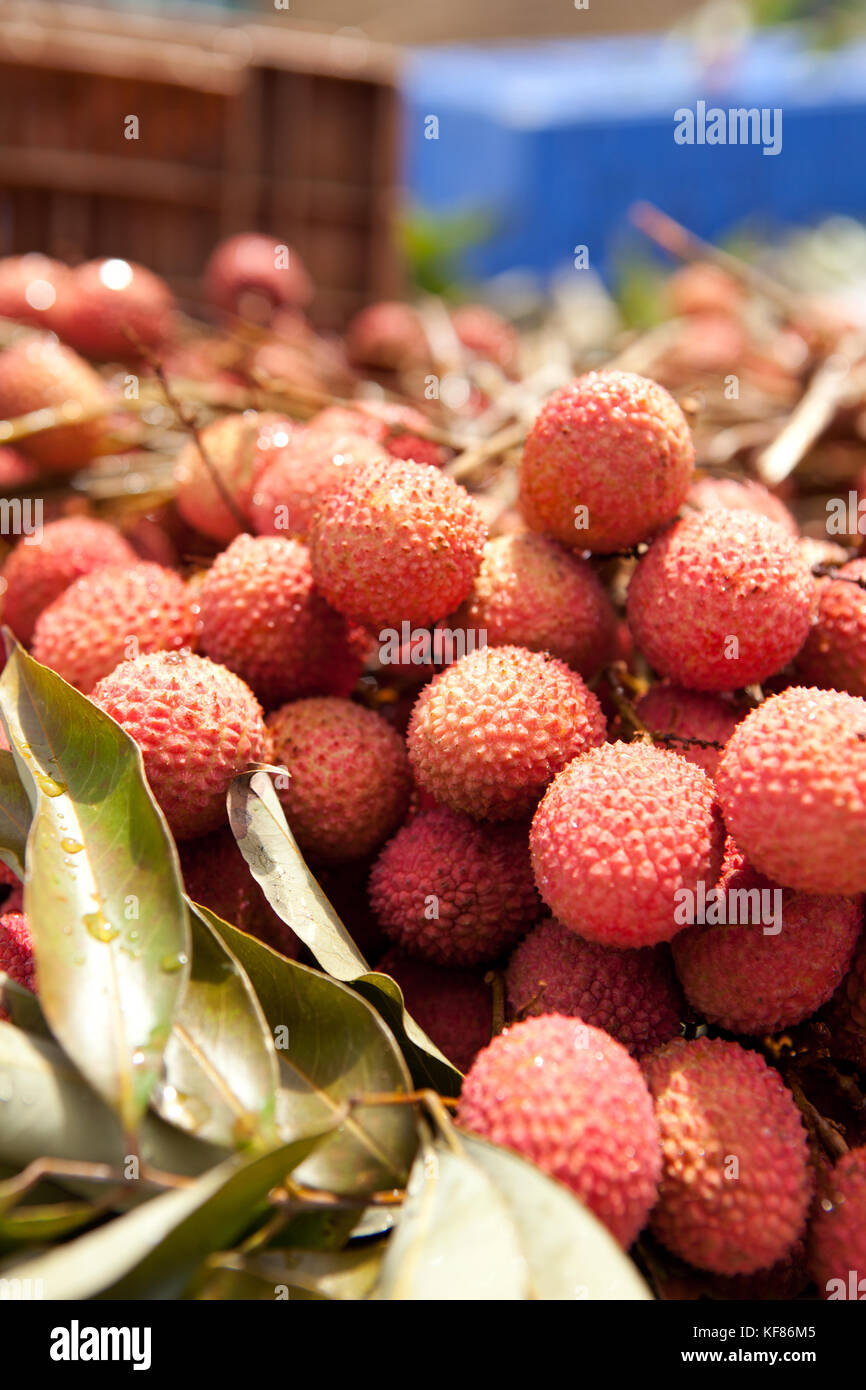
[{"x": 240, "y": 126}]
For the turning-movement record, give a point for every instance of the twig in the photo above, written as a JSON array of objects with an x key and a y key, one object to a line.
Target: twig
[{"x": 830, "y": 386}]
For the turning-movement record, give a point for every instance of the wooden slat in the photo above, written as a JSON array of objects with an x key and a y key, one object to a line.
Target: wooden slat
[{"x": 75, "y": 172}]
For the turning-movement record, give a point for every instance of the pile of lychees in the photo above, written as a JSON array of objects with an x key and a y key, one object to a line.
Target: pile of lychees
[{"x": 633, "y": 830}]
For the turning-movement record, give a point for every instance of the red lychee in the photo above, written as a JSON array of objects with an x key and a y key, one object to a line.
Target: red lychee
[
  {"x": 41, "y": 374},
  {"x": 621, "y": 835},
  {"x": 454, "y": 1007},
  {"x": 677, "y": 717},
  {"x": 253, "y": 275},
  {"x": 35, "y": 575},
  {"x": 488, "y": 734},
  {"x": 452, "y": 891},
  {"x": 607, "y": 462}
]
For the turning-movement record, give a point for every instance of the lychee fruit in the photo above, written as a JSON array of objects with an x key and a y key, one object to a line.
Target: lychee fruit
[
  {"x": 452, "y": 891},
  {"x": 309, "y": 468},
  {"x": 100, "y": 618},
  {"x": 41, "y": 374},
  {"x": 686, "y": 721},
  {"x": 214, "y": 492},
  {"x": 113, "y": 309},
  {"x": 454, "y": 1007},
  {"x": 720, "y": 601},
  {"x": 398, "y": 542},
  {"x": 252, "y": 275},
  {"x": 736, "y": 1182},
  {"x": 607, "y": 461},
  {"x": 261, "y": 616},
  {"x": 29, "y": 287},
  {"x": 217, "y": 876},
  {"x": 623, "y": 834},
  {"x": 387, "y": 336},
  {"x": 702, "y": 287},
  {"x": 845, "y": 1015},
  {"x": 572, "y": 1101},
  {"x": 16, "y": 471},
  {"x": 36, "y": 574},
  {"x": 16, "y": 952},
  {"x": 400, "y": 429},
  {"x": 770, "y": 961},
  {"x": 532, "y": 593},
  {"x": 488, "y": 733},
  {"x": 197, "y": 726},
  {"x": 349, "y": 780},
  {"x": 488, "y": 335},
  {"x": 838, "y": 1233},
  {"x": 834, "y": 653},
  {"x": 631, "y": 994},
  {"x": 708, "y": 494},
  {"x": 792, "y": 787}
]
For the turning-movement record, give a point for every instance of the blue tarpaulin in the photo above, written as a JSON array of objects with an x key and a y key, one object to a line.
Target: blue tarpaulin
[{"x": 556, "y": 140}]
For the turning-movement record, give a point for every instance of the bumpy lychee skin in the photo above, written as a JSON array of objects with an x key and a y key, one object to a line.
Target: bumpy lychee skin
[
  {"x": 197, "y": 726},
  {"x": 758, "y": 970},
  {"x": 113, "y": 309},
  {"x": 532, "y": 593},
  {"x": 622, "y": 833},
  {"x": 349, "y": 778},
  {"x": 720, "y": 601},
  {"x": 571, "y": 1100},
  {"x": 100, "y": 618},
  {"x": 40, "y": 373},
  {"x": 736, "y": 1183},
  {"x": 834, "y": 653},
  {"x": 678, "y": 716},
  {"x": 614, "y": 444},
  {"x": 239, "y": 448},
  {"x": 310, "y": 467},
  {"x": 250, "y": 275},
  {"x": 739, "y": 495},
  {"x": 454, "y": 1007},
  {"x": 35, "y": 575},
  {"x": 633, "y": 995},
  {"x": 792, "y": 787},
  {"x": 845, "y": 1015},
  {"x": 397, "y": 543},
  {"x": 488, "y": 734},
  {"x": 216, "y": 875},
  {"x": 838, "y": 1234},
  {"x": 261, "y": 616},
  {"x": 400, "y": 429},
  {"x": 454, "y": 892},
  {"x": 16, "y": 952}
]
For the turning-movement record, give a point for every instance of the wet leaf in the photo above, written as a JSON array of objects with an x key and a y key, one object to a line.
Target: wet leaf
[
  {"x": 103, "y": 892},
  {"x": 278, "y": 866},
  {"x": 332, "y": 1048},
  {"x": 221, "y": 1064},
  {"x": 152, "y": 1251},
  {"x": 47, "y": 1109}
]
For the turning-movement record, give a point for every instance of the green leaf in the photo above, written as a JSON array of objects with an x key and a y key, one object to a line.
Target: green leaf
[
  {"x": 277, "y": 865},
  {"x": 332, "y": 1274},
  {"x": 570, "y": 1254},
  {"x": 43, "y": 1224},
  {"x": 15, "y": 815},
  {"x": 151, "y": 1252},
  {"x": 455, "y": 1239},
  {"x": 48, "y": 1109},
  {"x": 103, "y": 890},
  {"x": 21, "y": 1006},
  {"x": 337, "y": 1049},
  {"x": 221, "y": 1074},
  {"x": 481, "y": 1222}
]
